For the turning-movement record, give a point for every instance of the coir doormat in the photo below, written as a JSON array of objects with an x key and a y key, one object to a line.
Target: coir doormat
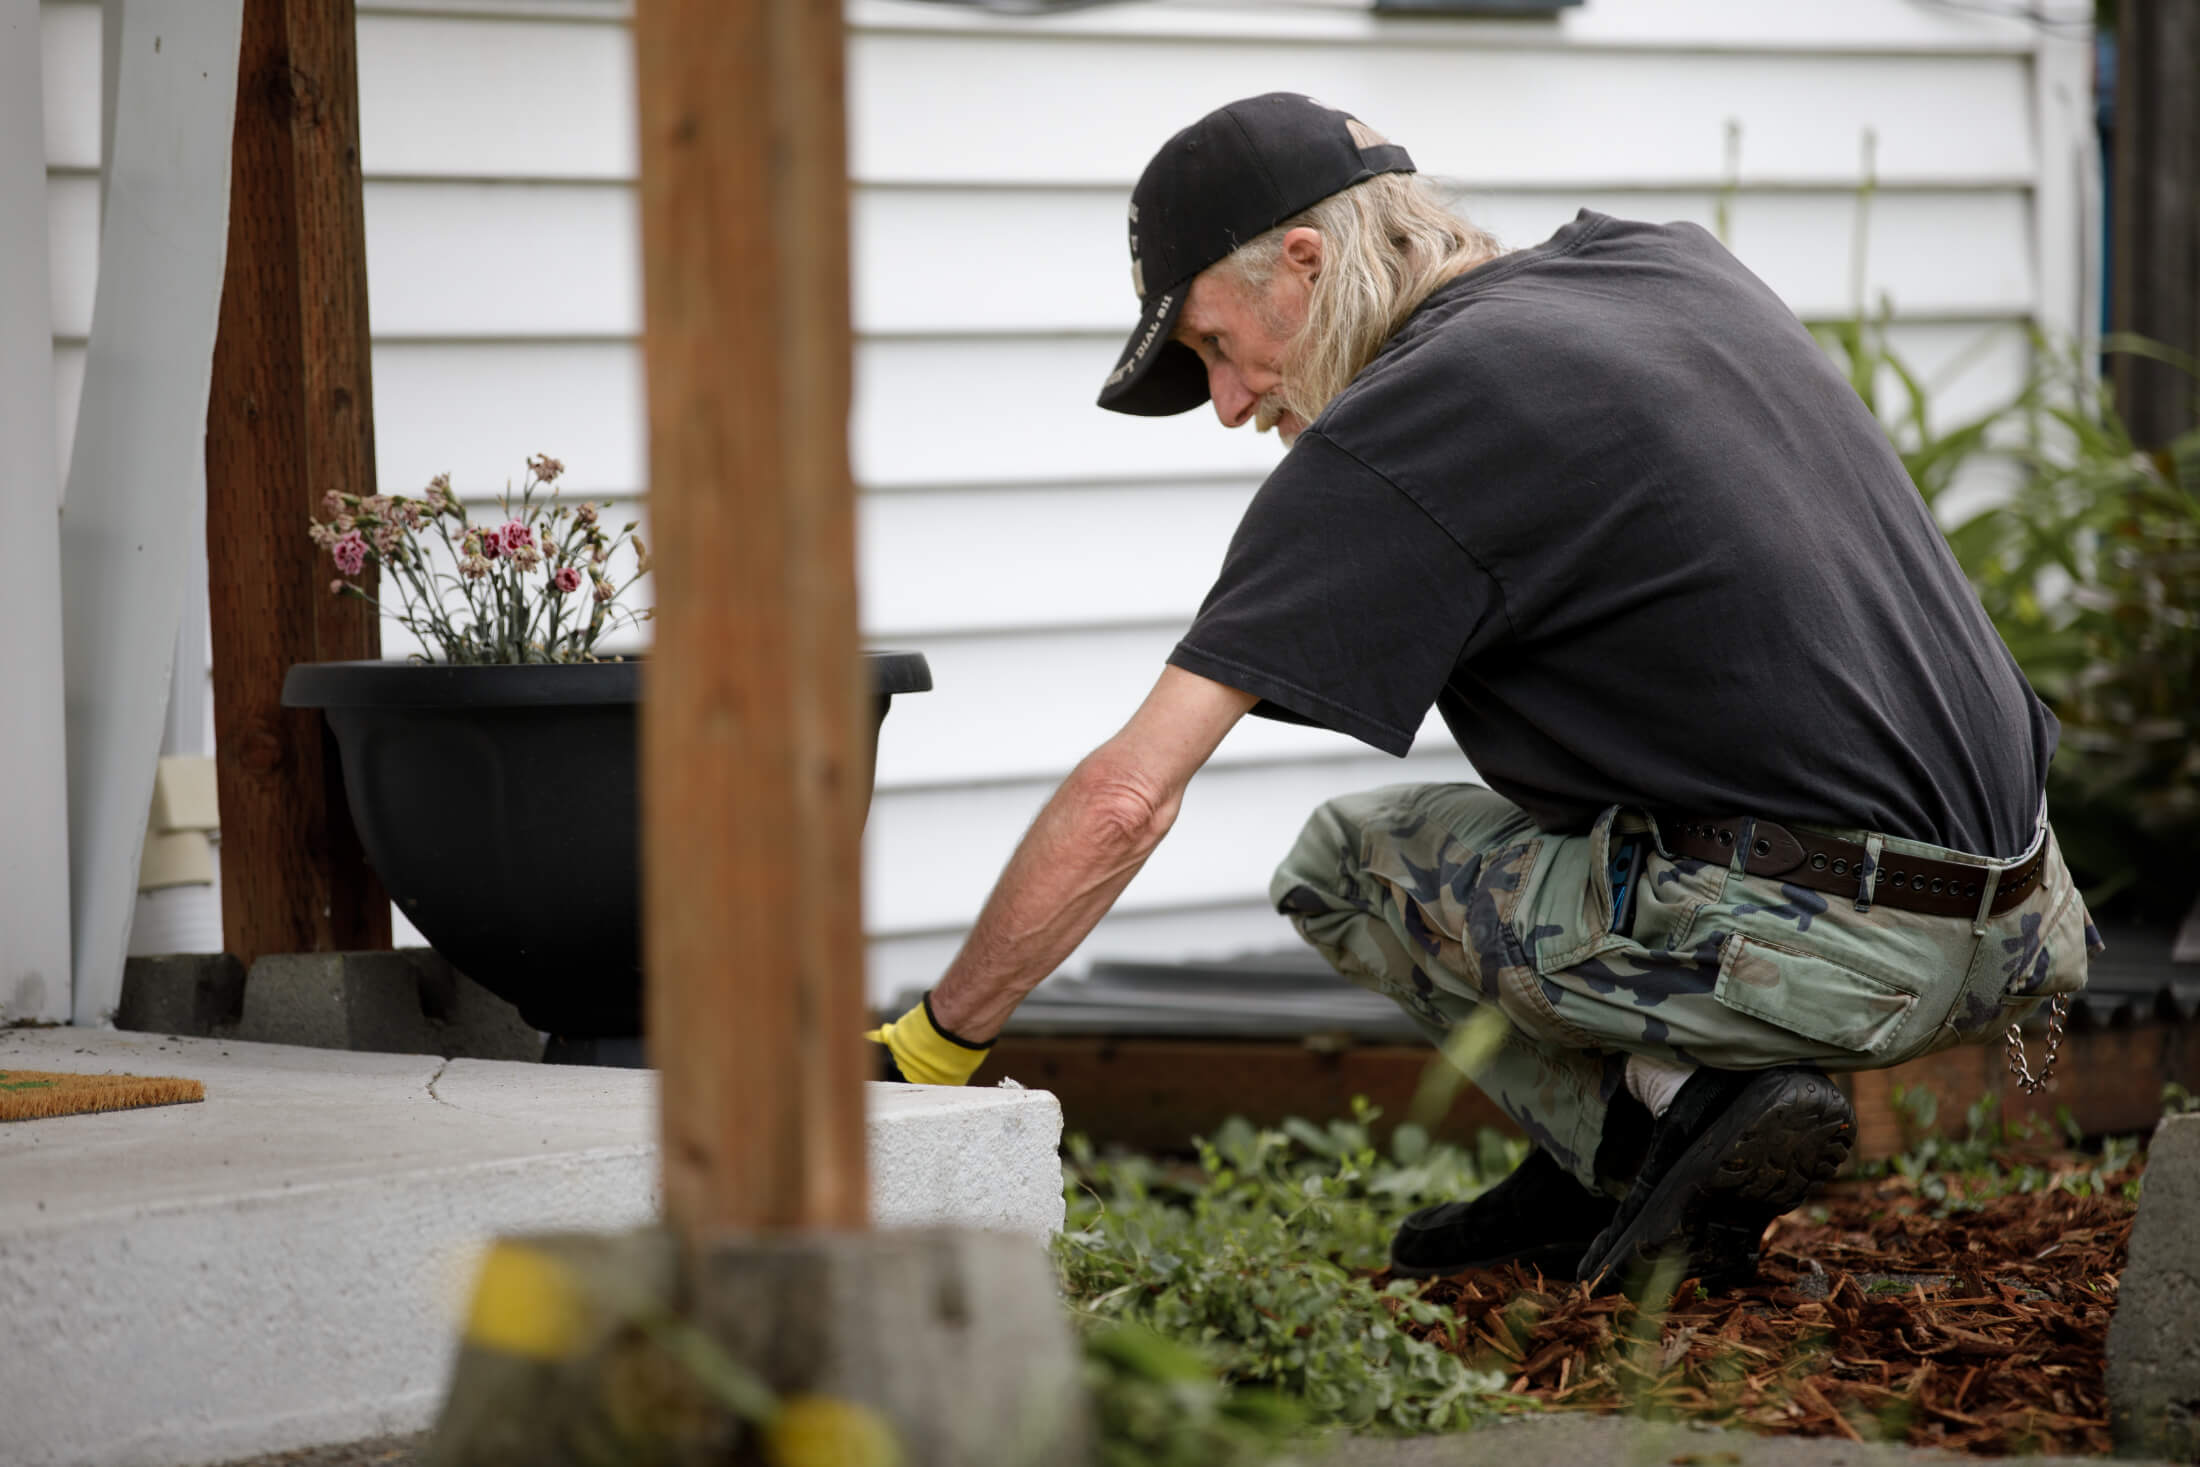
[{"x": 33, "y": 1095}]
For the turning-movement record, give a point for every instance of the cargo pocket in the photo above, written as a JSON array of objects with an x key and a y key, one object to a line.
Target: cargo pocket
[
  {"x": 1814, "y": 997},
  {"x": 2045, "y": 954}
]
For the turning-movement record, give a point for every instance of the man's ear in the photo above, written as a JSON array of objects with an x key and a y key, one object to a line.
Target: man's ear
[{"x": 1302, "y": 253}]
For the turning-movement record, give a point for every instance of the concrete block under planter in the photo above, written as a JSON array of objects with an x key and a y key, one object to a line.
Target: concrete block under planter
[
  {"x": 181, "y": 993},
  {"x": 405, "y": 1002},
  {"x": 2154, "y": 1340}
]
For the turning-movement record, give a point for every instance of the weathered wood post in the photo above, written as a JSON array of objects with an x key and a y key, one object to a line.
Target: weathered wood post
[
  {"x": 754, "y": 775},
  {"x": 2155, "y": 289},
  {"x": 824, "y": 1341},
  {"x": 290, "y": 418},
  {"x": 752, "y": 721}
]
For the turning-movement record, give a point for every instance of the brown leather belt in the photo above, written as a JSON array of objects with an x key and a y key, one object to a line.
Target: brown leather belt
[{"x": 1823, "y": 863}]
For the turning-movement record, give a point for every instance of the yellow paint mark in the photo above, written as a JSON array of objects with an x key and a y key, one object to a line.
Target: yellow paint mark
[
  {"x": 824, "y": 1431},
  {"x": 526, "y": 1304}
]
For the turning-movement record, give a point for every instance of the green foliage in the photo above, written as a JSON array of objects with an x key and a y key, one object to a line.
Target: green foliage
[
  {"x": 1157, "y": 1404},
  {"x": 1992, "y": 1159},
  {"x": 1256, "y": 1258},
  {"x": 2090, "y": 570}
]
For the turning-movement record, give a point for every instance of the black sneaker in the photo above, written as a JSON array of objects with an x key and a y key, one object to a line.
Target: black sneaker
[
  {"x": 1732, "y": 1152},
  {"x": 1538, "y": 1216}
]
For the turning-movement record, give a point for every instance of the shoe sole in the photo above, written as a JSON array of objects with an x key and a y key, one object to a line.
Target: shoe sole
[{"x": 1783, "y": 1134}]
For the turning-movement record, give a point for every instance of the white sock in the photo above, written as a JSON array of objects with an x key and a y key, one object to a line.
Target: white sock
[{"x": 1655, "y": 1082}]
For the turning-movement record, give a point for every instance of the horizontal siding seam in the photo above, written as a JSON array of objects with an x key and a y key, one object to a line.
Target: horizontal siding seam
[
  {"x": 1366, "y": 29},
  {"x": 978, "y": 336},
  {"x": 1125, "y": 908},
  {"x": 1797, "y": 186},
  {"x": 573, "y": 12},
  {"x": 1255, "y": 763}
]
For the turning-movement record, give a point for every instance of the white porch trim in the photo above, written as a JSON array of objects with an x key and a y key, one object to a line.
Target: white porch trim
[
  {"x": 137, "y": 476},
  {"x": 34, "y": 830}
]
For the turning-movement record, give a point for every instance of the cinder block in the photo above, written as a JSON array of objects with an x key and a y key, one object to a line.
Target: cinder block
[
  {"x": 956, "y": 1339},
  {"x": 2153, "y": 1346},
  {"x": 198, "y": 994},
  {"x": 404, "y": 1002}
]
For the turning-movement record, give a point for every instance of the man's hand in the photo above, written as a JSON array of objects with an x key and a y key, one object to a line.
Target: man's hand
[{"x": 920, "y": 1052}]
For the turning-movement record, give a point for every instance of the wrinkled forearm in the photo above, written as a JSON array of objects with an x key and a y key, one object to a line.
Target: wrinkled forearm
[{"x": 1087, "y": 843}]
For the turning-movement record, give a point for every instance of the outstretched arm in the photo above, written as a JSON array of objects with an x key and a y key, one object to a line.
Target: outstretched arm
[{"x": 1088, "y": 842}]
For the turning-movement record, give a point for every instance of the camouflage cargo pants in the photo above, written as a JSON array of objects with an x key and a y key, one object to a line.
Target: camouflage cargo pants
[{"x": 1449, "y": 900}]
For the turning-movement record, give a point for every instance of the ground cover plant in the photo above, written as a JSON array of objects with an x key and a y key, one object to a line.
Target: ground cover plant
[
  {"x": 1258, "y": 1255},
  {"x": 1956, "y": 1296}
]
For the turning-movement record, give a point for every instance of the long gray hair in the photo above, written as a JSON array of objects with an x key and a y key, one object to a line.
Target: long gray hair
[{"x": 1386, "y": 244}]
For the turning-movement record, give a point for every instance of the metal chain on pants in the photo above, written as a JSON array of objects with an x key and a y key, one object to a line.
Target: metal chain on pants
[{"x": 2056, "y": 1008}]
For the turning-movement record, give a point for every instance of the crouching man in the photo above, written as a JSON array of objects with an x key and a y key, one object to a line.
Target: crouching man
[{"x": 1764, "y": 787}]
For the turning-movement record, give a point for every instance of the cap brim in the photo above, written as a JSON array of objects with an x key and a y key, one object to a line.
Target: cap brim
[{"x": 1156, "y": 375}]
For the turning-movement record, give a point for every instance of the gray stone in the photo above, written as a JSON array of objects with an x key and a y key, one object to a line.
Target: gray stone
[
  {"x": 955, "y": 1340},
  {"x": 958, "y": 1338},
  {"x": 404, "y": 1002},
  {"x": 182, "y": 993},
  {"x": 2154, "y": 1340}
]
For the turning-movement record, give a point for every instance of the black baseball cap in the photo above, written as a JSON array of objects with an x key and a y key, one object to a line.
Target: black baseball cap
[{"x": 1229, "y": 178}]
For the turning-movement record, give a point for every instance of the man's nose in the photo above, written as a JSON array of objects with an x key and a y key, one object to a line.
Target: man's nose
[{"x": 1233, "y": 402}]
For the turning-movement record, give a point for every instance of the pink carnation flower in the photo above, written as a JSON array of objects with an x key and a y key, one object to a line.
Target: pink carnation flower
[
  {"x": 516, "y": 537},
  {"x": 350, "y": 553},
  {"x": 567, "y": 580}
]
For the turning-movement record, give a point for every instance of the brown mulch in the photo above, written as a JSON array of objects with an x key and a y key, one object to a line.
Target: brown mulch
[{"x": 1873, "y": 1319}]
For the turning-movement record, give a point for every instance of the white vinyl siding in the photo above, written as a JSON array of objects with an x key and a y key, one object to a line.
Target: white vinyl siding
[{"x": 1045, "y": 554}]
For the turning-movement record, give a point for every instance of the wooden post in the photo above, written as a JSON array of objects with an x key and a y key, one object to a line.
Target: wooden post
[
  {"x": 291, "y": 417},
  {"x": 2155, "y": 290},
  {"x": 752, "y": 740}
]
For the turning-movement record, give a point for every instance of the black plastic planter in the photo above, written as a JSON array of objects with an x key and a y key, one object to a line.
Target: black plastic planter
[{"x": 498, "y": 805}]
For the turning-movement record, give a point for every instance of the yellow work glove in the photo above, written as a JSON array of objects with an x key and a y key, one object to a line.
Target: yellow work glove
[{"x": 920, "y": 1052}]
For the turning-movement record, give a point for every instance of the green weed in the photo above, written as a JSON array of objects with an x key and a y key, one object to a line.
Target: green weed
[
  {"x": 1256, "y": 1258},
  {"x": 1991, "y": 1159}
]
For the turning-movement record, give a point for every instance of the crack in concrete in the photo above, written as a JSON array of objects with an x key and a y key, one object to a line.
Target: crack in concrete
[{"x": 439, "y": 1069}]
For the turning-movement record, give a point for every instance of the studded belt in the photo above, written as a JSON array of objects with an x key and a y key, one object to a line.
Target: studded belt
[{"x": 1824, "y": 863}]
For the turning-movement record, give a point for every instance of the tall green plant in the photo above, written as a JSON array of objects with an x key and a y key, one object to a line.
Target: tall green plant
[{"x": 2091, "y": 571}]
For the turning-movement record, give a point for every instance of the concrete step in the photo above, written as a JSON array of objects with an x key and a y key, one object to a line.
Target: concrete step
[{"x": 285, "y": 1264}]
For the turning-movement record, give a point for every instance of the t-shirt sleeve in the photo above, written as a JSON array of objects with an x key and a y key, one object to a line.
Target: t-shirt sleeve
[{"x": 1341, "y": 603}]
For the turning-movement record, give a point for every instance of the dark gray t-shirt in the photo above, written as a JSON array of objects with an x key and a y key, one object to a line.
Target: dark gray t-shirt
[{"x": 1608, "y": 507}]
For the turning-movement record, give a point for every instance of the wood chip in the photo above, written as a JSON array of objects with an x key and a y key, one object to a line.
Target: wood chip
[{"x": 1982, "y": 1331}]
